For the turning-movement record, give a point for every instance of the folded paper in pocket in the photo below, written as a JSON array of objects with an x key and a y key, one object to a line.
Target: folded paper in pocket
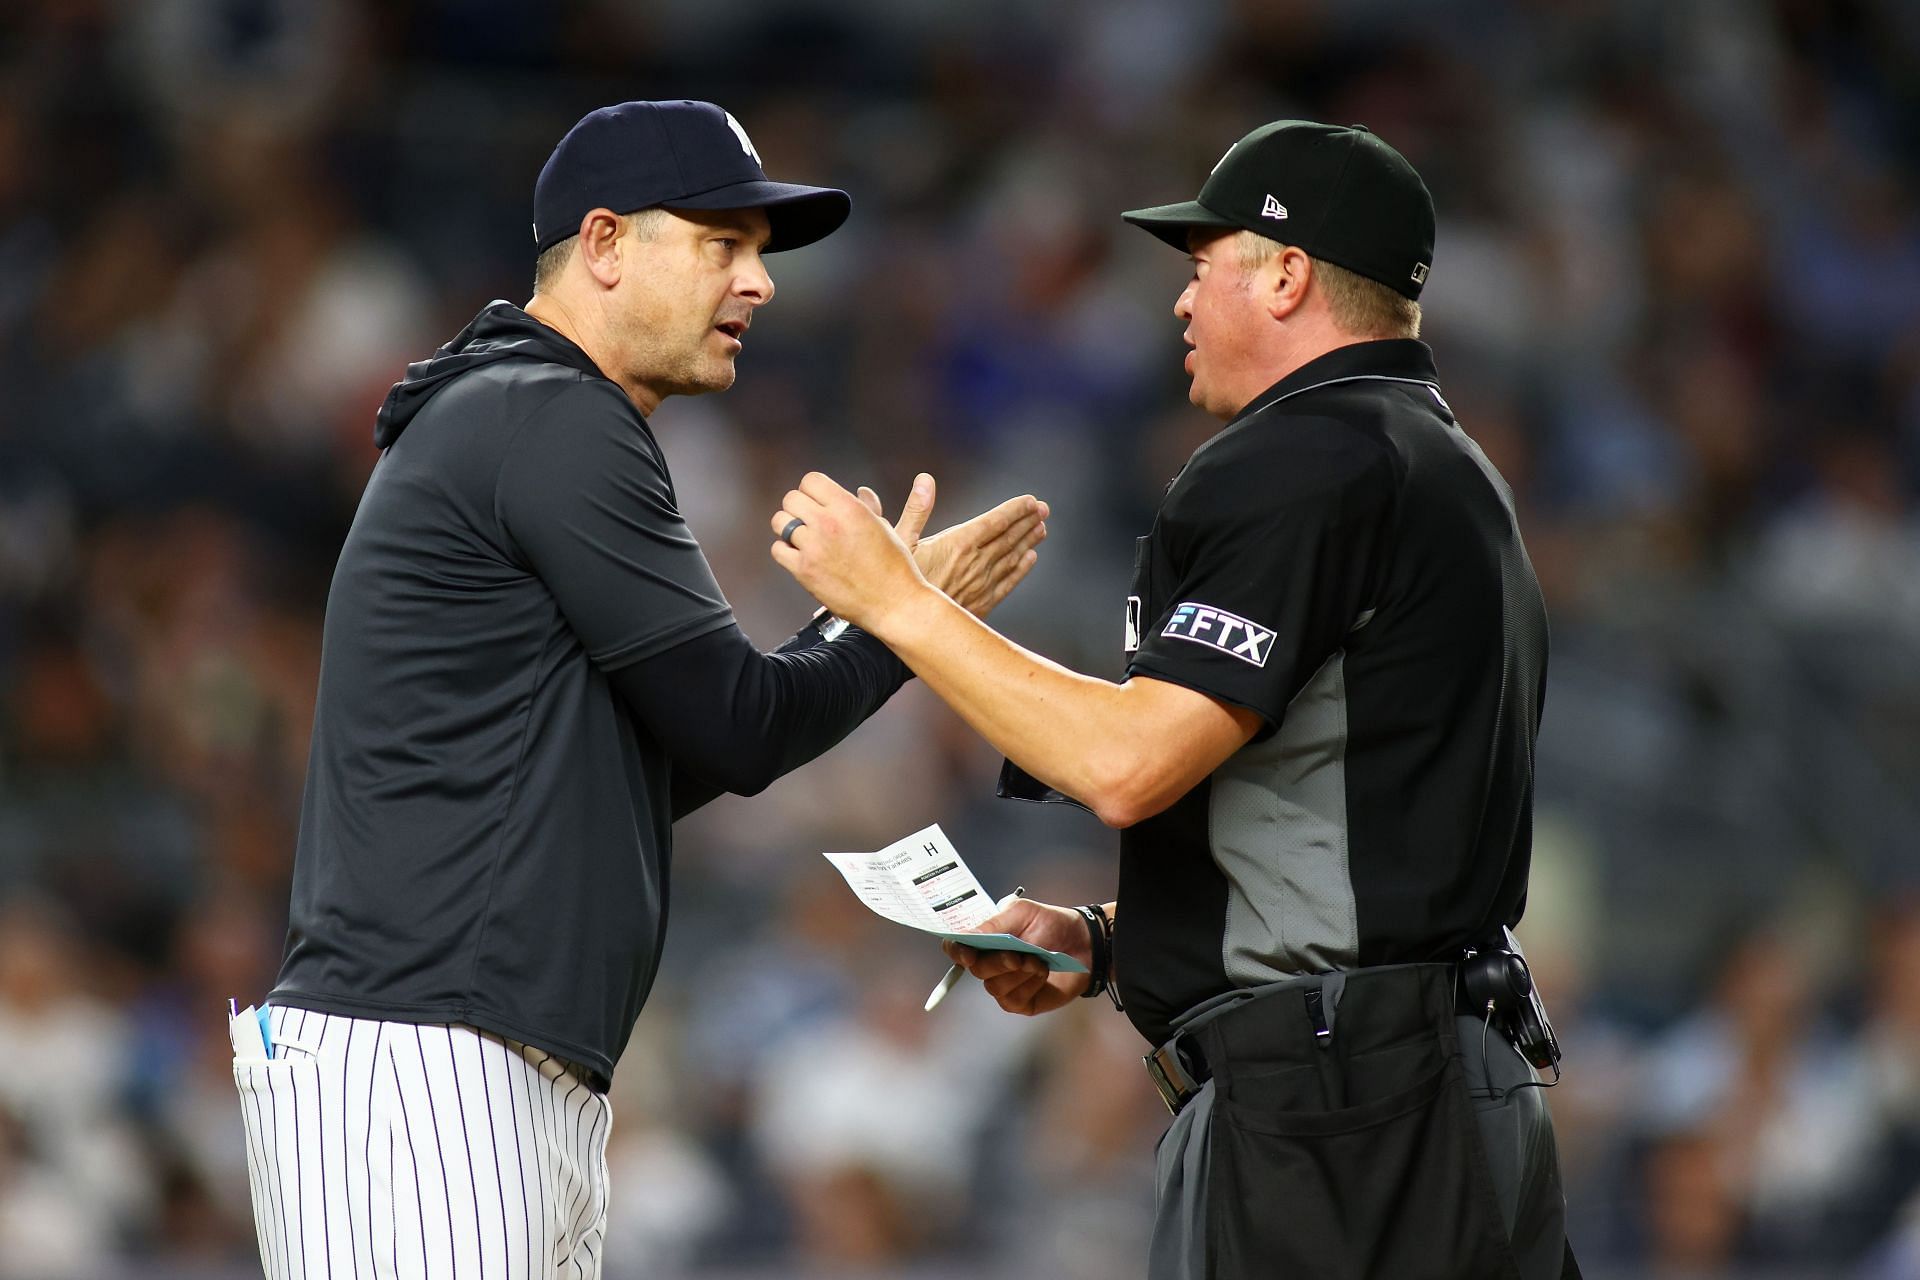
[{"x": 247, "y": 1030}]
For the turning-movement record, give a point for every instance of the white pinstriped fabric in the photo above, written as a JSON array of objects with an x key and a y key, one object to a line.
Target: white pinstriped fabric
[{"x": 383, "y": 1150}]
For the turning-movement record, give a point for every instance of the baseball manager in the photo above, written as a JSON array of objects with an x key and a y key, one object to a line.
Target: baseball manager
[
  {"x": 528, "y": 673},
  {"x": 1321, "y": 756}
]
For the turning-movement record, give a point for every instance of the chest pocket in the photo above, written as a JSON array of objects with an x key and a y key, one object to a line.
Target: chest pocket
[{"x": 1152, "y": 576}]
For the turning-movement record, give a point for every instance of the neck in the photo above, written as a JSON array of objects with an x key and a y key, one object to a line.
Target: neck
[
  {"x": 576, "y": 324},
  {"x": 1303, "y": 349}
]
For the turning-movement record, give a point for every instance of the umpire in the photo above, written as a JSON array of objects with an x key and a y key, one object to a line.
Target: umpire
[{"x": 1321, "y": 756}]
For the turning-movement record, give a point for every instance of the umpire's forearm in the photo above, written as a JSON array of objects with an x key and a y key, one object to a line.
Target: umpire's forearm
[
  {"x": 1069, "y": 730},
  {"x": 1126, "y": 751}
]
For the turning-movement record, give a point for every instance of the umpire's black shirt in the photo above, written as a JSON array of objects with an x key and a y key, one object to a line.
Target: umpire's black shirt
[
  {"x": 1343, "y": 560},
  {"x": 485, "y": 833}
]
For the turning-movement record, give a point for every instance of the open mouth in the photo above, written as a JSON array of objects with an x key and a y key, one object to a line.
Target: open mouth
[{"x": 732, "y": 328}]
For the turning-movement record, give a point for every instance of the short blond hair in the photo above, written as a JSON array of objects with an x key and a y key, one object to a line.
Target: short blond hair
[{"x": 1357, "y": 304}]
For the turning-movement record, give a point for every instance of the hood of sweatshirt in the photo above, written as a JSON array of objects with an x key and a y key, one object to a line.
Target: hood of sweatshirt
[{"x": 501, "y": 331}]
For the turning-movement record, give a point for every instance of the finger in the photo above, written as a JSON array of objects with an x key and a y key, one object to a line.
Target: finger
[
  {"x": 917, "y": 509},
  {"x": 1016, "y": 992},
  {"x": 1004, "y": 585},
  {"x": 1013, "y": 918},
  {"x": 796, "y": 503},
  {"x": 1009, "y": 514},
  {"x": 986, "y": 965},
  {"x": 1016, "y": 563},
  {"x": 871, "y": 501},
  {"x": 1028, "y": 531},
  {"x": 1008, "y": 986},
  {"x": 995, "y": 964},
  {"x": 786, "y": 557},
  {"x": 824, "y": 489},
  {"x": 1007, "y": 559}
]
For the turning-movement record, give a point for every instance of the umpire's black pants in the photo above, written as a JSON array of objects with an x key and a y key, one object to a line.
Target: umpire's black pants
[{"x": 1390, "y": 1143}]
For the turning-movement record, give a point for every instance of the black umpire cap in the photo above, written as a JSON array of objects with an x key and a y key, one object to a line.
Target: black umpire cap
[
  {"x": 676, "y": 155},
  {"x": 1339, "y": 193}
]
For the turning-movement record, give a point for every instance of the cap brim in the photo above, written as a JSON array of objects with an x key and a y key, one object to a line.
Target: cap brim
[
  {"x": 1169, "y": 222},
  {"x": 796, "y": 215}
]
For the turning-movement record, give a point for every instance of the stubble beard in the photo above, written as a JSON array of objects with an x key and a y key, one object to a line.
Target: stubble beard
[{"x": 674, "y": 362}]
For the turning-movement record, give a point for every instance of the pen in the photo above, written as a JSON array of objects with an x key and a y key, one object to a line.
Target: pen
[{"x": 948, "y": 983}]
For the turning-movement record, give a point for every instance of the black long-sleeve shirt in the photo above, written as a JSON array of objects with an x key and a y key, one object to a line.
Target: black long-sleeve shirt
[{"x": 527, "y": 672}]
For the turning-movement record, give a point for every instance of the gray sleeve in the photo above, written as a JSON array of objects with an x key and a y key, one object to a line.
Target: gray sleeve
[{"x": 584, "y": 495}]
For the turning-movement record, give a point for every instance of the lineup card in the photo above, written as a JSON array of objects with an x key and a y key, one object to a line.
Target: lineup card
[{"x": 922, "y": 882}]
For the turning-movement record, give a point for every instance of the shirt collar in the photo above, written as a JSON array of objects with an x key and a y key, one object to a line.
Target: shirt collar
[{"x": 1402, "y": 359}]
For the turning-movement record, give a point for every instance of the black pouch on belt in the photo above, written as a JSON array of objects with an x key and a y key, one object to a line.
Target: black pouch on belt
[{"x": 1345, "y": 1148}]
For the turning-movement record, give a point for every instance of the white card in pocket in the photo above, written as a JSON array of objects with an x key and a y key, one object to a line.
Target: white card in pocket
[{"x": 249, "y": 1042}]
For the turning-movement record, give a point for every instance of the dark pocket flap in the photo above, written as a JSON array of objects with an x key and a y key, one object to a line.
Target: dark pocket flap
[{"x": 1245, "y": 1109}]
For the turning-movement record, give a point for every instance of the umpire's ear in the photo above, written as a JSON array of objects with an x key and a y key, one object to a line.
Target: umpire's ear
[{"x": 1283, "y": 281}]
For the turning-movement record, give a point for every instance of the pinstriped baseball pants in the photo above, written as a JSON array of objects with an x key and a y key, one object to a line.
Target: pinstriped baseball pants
[{"x": 383, "y": 1150}]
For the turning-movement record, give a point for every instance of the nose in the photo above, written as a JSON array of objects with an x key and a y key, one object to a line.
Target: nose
[
  {"x": 754, "y": 283},
  {"x": 1183, "y": 305}
]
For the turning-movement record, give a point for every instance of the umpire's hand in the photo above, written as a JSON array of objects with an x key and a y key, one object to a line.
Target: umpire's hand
[
  {"x": 1022, "y": 983},
  {"x": 847, "y": 557}
]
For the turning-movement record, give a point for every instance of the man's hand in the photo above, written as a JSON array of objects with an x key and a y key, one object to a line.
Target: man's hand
[
  {"x": 850, "y": 561},
  {"x": 1023, "y": 983},
  {"x": 979, "y": 562}
]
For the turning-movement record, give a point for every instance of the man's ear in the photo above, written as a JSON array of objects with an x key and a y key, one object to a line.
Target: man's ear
[
  {"x": 600, "y": 248},
  {"x": 1286, "y": 278}
]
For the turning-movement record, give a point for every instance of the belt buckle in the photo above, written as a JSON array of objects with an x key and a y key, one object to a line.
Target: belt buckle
[{"x": 1169, "y": 1076}]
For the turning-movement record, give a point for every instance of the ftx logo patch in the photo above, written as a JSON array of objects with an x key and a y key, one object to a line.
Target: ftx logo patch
[{"x": 1228, "y": 632}]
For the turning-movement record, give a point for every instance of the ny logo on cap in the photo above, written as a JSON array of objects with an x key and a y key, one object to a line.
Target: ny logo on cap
[
  {"x": 746, "y": 144},
  {"x": 1419, "y": 273},
  {"x": 1273, "y": 209}
]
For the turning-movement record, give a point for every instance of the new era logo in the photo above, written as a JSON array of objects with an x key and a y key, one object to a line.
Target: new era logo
[
  {"x": 1419, "y": 273},
  {"x": 1273, "y": 209},
  {"x": 1228, "y": 632}
]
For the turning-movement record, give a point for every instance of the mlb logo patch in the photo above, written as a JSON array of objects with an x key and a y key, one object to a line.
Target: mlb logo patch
[
  {"x": 1133, "y": 623},
  {"x": 1228, "y": 632}
]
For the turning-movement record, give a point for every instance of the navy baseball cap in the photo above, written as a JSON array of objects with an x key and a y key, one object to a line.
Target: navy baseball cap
[
  {"x": 677, "y": 155},
  {"x": 1338, "y": 192}
]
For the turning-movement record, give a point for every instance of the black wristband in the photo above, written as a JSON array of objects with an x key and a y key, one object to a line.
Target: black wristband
[{"x": 1100, "y": 944}]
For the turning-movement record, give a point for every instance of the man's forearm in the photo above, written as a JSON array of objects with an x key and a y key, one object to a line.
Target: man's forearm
[
  {"x": 735, "y": 719},
  {"x": 1069, "y": 730},
  {"x": 1126, "y": 751},
  {"x": 690, "y": 791}
]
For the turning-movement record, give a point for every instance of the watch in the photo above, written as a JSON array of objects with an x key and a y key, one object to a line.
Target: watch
[{"x": 829, "y": 624}]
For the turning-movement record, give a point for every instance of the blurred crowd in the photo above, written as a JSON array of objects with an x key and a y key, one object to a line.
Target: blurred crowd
[{"x": 1676, "y": 296}]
